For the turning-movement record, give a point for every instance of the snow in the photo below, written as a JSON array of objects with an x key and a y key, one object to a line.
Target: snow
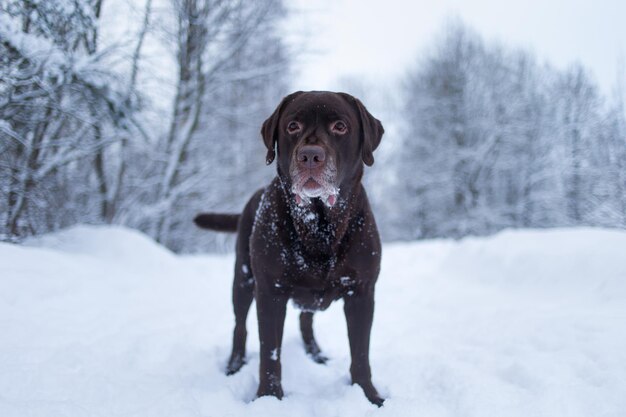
[
  {"x": 34, "y": 47},
  {"x": 101, "y": 321}
]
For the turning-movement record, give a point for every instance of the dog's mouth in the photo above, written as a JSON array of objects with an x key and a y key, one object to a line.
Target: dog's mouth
[
  {"x": 312, "y": 188},
  {"x": 306, "y": 186}
]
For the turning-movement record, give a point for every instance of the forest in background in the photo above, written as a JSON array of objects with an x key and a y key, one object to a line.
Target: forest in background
[
  {"x": 489, "y": 138},
  {"x": 163, "y": 122},
  {"x": 142, "y": 131}
]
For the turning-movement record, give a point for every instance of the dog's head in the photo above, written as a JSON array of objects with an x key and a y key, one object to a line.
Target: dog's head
[{"x": 322, "y": 140}]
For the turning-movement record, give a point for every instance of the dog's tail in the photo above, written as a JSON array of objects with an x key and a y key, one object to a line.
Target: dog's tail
[{"x": 220, "y": 222}]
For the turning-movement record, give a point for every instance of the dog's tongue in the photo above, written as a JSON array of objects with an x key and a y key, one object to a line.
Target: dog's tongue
[{"x": 298, "y": 200}]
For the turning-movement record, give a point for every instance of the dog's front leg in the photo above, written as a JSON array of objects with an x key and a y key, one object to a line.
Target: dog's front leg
[
  {"x": 359, "y": 310},
  {"x": 271, "y": 308}
]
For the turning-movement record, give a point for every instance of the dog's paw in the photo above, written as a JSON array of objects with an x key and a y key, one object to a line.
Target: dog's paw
[
  {"x": 377, "y": 400},
  {"x": 318, "y": 357},
  {"x": 371, "y": 393},
  {"x": 235, "y": 363},
  {"x": 313, "y": 350},
  {"x": 273, "y": 389}
]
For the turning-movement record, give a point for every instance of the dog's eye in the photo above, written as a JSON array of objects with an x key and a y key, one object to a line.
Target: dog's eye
[
  {"x": 340, "y": 127},
  {"x": 294, "y": 127}
]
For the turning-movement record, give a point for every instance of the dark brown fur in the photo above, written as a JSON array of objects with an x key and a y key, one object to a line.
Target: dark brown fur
[{"x": 314, "y": 251}]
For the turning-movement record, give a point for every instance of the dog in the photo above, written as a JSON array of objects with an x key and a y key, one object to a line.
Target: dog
[{"x": 310, "y": 235}]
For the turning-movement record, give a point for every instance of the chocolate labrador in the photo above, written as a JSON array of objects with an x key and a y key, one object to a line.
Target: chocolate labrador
[{"x": 310, "y": 235}]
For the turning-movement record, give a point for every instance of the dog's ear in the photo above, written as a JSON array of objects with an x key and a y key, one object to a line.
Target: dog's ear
[
  {"x": 371, "y": 130},
  {"x": 269, "y": 130}
]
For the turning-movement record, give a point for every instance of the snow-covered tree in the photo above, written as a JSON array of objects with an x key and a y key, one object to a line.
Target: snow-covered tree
[
  {"x": 60, "y": 106},
  {"x": 492, "y": 140},
  {"x": 95, "y": 129}
]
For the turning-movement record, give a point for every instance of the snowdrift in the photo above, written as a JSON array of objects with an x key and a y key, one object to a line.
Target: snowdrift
[{"x": 101, "y": 321}]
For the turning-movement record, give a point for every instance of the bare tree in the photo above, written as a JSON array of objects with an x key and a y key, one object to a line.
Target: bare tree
[
  {"x": 75, "y": 141},
  {"x": 211, "y": 36},
  {"x": 494, "y": 140},
  {"x": 51, "y": 79}
]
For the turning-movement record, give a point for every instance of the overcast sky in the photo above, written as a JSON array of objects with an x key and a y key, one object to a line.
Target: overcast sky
[{"x": 380, "y": 39}]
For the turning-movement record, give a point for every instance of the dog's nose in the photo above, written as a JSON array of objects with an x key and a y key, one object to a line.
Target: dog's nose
[{"x": 311, "y": 156}]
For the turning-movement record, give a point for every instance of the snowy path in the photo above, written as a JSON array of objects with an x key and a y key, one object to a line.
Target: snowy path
[{"x": 103, "y": 322}]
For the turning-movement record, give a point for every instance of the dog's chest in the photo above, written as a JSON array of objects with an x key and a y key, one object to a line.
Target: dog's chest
[
  {"x": 305, "y": 270},
  {"x": 313, "y": 283}
]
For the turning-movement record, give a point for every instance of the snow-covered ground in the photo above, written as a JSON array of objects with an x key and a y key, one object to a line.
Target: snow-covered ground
[{"x": 104, "y": 322}]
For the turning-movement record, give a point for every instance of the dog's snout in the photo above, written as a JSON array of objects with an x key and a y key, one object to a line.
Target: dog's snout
[{"x": 311, "y": 156}]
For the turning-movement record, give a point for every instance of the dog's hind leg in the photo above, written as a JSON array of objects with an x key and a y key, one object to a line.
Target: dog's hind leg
[
  {"x": 310, "y": 345},
  {"x": 243, "y": 294}
]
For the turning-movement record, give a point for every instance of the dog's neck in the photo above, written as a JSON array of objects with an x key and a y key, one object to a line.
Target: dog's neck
[{"x": 320, "y": 229}]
